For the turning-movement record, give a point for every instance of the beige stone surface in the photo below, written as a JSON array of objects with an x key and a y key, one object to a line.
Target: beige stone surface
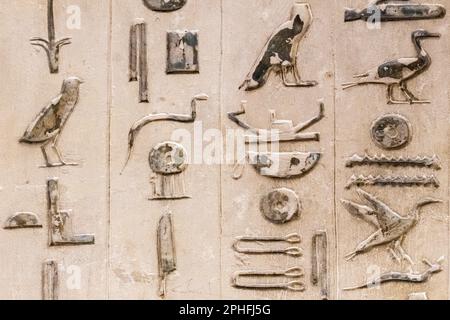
[
  {"x": 123, "y": 262},
  {"x": 27, "y": 88},
  {"x": 357, "y": 50}
]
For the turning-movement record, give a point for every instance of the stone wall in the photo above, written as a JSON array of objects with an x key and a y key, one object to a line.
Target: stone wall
[{"x": 114, "y": 204}]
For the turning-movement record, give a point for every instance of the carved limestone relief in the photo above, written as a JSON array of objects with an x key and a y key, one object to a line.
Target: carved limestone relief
[
  {"x": 164, "y": 5},
  {"x": 280, "y": 52},
  {"x": 49, "y": 123},
  {"x": 393, "y": 180},
  {"x": 391, "y": 131},
  {"x": 391, "y": 227},
  {"x": 432, "y": 162},
  {"x": 280, "y": 206},
  {"x": 319, "y": 263},
  {"x": 280, "y": 130},
  {"x": 166, "y": 251},
  {"x": 398, "y": 72},
  {"x": 60, "y": 221},
  {"x": 412, "y": 277},
  {"x": 182, "y": 52},
  {"x": 285, "y": 279},
  {"x": 168, "y": 161},
  {"x": 50, "y": 280},
  {"x": 23, "y": 220},
  {"x": 418, "y": 296},
  {"x": 51, "y": 45},
  {"x": 138, "y": 66},
  {"x": 279, "y": 165},
  {"x": 184, "y": 118},
  {"x": 398, "y": 10},
  {"x": 264, "y": 245}
]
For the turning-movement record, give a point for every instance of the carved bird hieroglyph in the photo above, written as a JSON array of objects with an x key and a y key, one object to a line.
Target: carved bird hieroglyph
[
  {"x": 48, "y": 124},
  {"x": 280, "y": 52},
  {"x": 398, "y": 72},
  {"x": 392, "y": 227}
]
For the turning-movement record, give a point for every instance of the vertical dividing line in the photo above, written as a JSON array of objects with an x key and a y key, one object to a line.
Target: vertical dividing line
[
  {"x": 224, "y": 153},
  {"x": 336, "y": 225},
  {"x": 109, "y": 106},
  {"x": 448, "y": 188}
]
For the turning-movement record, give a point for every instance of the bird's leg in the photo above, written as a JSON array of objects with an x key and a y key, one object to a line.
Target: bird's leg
[
  {"x": 298, "y": 79},
  {"x": 284, "y": 75},
  {"x": 410, "y": 96},
  {"x": 44, "y": 153},
  {"x": 58, "y": 153},
  {"x": 402, "y": 252},
  {"x": 391, "y": 99},
  {"x": 286, "y": 68},
  {"x": 393, "y": 252}
]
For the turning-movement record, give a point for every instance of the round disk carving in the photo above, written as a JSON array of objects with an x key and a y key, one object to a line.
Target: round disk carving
[
  {"x": 168, "y": 158},
  {"x": 280, "y": 205},
  {"x": 164, "y": 5},
  {"x": 391, "y": 131}
]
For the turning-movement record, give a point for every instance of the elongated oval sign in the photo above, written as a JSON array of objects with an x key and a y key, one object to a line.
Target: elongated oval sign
[{"x": 165, "y": 5}]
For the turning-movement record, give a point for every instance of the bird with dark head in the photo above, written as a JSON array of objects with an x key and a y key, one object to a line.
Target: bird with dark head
[
  {"x": 48, "y": 124},
  {"x": 280, "y": 52},
  {"x": 398, "y": 72}
]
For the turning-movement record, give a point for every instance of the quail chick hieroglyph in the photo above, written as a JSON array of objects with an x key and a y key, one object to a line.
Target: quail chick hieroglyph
[{"x": 48, "y": 124}]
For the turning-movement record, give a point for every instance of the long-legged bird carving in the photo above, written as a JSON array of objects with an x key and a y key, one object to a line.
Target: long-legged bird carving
[
  {"x": 392, "y": 227},
  {"x": 48, "y": 124},
  {"x": 398, "y": 72}
]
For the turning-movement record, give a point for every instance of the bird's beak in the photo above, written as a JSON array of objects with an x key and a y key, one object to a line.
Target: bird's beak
[
  {"x": 81, "y": 80},
  {"x": 434, "y": 35}
]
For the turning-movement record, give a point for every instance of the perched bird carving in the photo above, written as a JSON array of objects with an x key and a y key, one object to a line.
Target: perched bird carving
[
  {"x": 398, "y": 72},
  {"x": 392, "y": 227},
  {"x": 280, "y": 52},
  {"x": 48, "y": 124}
]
